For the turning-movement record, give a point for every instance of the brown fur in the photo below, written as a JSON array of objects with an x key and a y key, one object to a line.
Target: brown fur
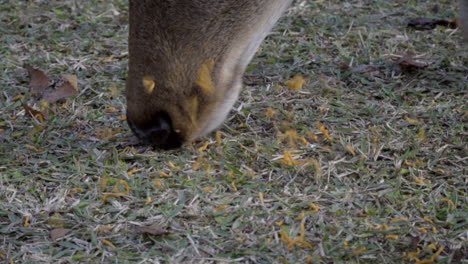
[{"x": 185, "y": 46}]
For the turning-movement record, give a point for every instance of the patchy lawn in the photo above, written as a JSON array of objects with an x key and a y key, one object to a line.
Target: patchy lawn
[{"x": 367, "y": 162}]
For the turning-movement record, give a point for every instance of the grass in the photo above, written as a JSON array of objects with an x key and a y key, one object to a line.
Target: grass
[{"x": 377, "y": 168}]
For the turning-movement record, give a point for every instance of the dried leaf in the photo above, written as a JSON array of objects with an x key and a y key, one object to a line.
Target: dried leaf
[
  {"x": 39, "y": 81},
  {"x": 68, "y": 88},
  {"x": 59, "y": 233},
  {"x": 34, "y": 113},
  {"x": 72, "y": 79},
  {"x": 407, "y": 62},
  {"x": 423, "y": 23},
  {"x": 154, "y": 229}
]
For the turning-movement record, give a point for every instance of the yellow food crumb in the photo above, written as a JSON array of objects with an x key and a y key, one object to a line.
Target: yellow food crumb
[
  {"x": 105, "y": 228},
  {"x": 413, "y": 255},
  {"x": 427, "y": 219},
  {"x": 324, "y": 131},
  {"x": 111, "y": 109},
  {"x": 131, "y": 172},
  {"x": 381, "y": 227},
  {"x": 221, "y": 208},
  {"x": 419, "y": 180},
  {"x": 148, "y": 200},
  {"x": 157, "y": 183},
  {"x": 299, "y": 241},
  {"x": 411, "y": 120},
  {"x": 296, "y": 83},
  {"x": 173, "y": 166},
  {"x": 270, "y": 112},
  {"x": 289, "y": 160},
  {"x": 107, "y": 59},
  {"x": 432, "y": 246},
  {"x": 421, "y": 134},
  {"x": 260, "y": 197},
  {"x": 392, "y": 237},
  {"x": 108, "y": 243},
  {"x": 218, "y": 137},
  {"x": 204, "y": 147},
  {"x": 33, "y": 148},
  {"x": 77, "y": 190},
  {"x": 452, "y": 204},
  {"x": 18, "y": 97},
  {"x": 27, "y": 221},
  {"x": 315, "y": 208},
  {"x": 313, "y": 136},
  {"x": 359, "y": 251},
  {"x": 233, "y": 184},
  {"x": 164, "y": 174},
  {"x": 107, "y": 195},
  {"x": 300, "y": 217},
  {"x": 398, "y": 220},
  {"x": 350, "y": 149},
  {"x": 431, "y": 259},
  {"x": 208, "y": 189}
]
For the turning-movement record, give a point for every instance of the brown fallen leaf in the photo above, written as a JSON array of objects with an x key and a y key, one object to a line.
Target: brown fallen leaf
[
  {"x": 153, "y": 229},
  {"x": 59, "y": 233},
  {"x": 407, "y": 61},
  {"x": 422, "y": 23},
  {"x": 67, "y": 89},
  {"x": 72, "y": 79},
  {"x": 40, "y": 116},
  {"x": 39, "y": 81}
]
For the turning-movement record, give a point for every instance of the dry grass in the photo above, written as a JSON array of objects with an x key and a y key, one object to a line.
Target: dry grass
[{"x": 366, "y": 163}]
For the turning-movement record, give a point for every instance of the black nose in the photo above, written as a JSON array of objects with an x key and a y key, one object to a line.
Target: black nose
[{"x": 158, "y": 131}]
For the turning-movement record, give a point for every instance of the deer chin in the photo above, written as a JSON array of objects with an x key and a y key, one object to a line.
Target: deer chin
[{"x": 222, "y": 110}]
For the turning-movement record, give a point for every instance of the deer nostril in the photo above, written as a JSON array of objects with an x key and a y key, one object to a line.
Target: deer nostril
[{"x": 158, "y": 132}]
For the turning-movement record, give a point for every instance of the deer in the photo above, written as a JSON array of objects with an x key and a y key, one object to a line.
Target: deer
[
  {"x": 187, "y": 59},
  {"x": 186, "y": 62}
]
